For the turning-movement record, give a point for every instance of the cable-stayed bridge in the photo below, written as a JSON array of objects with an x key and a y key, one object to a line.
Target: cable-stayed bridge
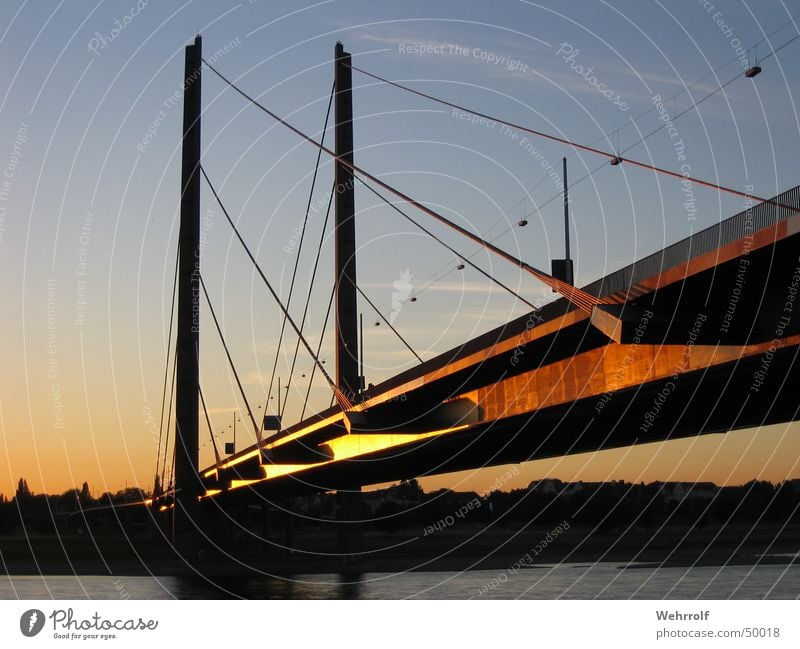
[{"x": 700, "y": 337}]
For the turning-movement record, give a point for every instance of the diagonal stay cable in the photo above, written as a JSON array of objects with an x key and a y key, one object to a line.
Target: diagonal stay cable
[
  {"x": 300, "y": 248},
  {"x": 663, "y": 124},
  {"x": 391, "y": 326},
  {"x": 487, "y": 231},
  {"x": 308, "y": 296},
  {"x": 166, "y": 363},
  {"x": 319, "y": 348},
  {"x": 614, "y": 157},
  {"x": 447, "y": 269},
  {"x": 210, "y": 429},
  {"x": 230, "y": 361},
  {"x": 699, "y": 81},
  {"x": 640, "y": 116},
  {"x": 688, "y": 89},
  {"x": 358, "y": 288},
  {"x": 450, "y": 248},
  {"x": 172, "y": 466},
  {"x": 589, "y": 174},
  {"x": 169, "y": 415},
  {"x": 341, "y": 398},
  {"x": 580, "y": 298}
]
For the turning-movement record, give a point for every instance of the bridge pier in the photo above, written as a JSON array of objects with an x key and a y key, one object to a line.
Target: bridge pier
[
  {"x": 288, "y": 532},
  {"x": 350, "y": 525},
  {"x": 266, "y": 516}
]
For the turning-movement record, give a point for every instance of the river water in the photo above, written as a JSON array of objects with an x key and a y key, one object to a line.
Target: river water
[{"x": 563, "y": 581}]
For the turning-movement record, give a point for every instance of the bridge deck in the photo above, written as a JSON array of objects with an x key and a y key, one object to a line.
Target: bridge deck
[{"x": 699, "y": 320}]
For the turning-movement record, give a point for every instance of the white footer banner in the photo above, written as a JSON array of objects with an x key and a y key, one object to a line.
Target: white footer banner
[{"x": 401, "y": 624}]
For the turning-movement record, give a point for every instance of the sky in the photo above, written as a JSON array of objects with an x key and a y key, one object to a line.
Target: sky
[{"x": 90, "y": 123}]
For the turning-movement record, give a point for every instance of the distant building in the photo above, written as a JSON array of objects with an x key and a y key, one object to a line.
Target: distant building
[
  {"x": 548, "y": 486},
  {"x": 555, "y": 487},
  {"x": 679, "y": 491}
]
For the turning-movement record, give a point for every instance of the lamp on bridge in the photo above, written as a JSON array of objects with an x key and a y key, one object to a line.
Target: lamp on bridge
[
  {"x": 230, "y": 447},
  {"x": 752, "y": 71},
  {"x": 272, "y": 422},
  {"x": 755, "y": 69}
]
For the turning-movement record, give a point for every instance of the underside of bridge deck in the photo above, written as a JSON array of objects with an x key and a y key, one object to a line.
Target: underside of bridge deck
[{"x": 704, "y": 346}]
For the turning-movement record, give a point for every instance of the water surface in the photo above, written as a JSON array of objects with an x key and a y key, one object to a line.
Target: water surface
[{"x": 563, "y": 581}]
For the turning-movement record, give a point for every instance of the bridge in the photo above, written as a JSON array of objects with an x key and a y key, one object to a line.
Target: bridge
[
  {"x": 555, "y": 382},
  {"x": 700, "y": 337}
]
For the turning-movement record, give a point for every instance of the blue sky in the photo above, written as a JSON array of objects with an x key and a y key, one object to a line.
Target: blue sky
[{"x": 93, "y": 199}]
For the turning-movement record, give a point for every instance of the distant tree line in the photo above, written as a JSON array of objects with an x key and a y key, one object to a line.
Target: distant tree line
[
  {"x": 71, "y": 511},
  {"x": 612, "y": 506},
  {"x": 607, "y": 506}
]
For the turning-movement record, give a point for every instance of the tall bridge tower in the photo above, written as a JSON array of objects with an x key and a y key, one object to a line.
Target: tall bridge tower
[
  {"x": 187, "y": 479},
  {"x": 347, "y": 363}
]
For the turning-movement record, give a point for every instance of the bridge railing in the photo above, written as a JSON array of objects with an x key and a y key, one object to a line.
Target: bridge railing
[{"x": 735, "y": 227}]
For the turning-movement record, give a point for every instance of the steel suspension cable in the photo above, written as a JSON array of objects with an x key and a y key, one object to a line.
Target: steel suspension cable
[
  {"x": 637, "y": 118},
  {"x": 391, "y": 326},
  {"x": 637, "y": 142},
  {"x": 450, "y": 248},
  {"x": 169, "y": 414},
  {"x": 172, "y": 464},
  {"x": 319, "y": 348},
  {"x": 343, "y": 400},
  {"x": 707, "y": 96},
  {"x": 663, "y": 125},
  {"x": 358, "y": 288},
  {"x": 614, "y": 157},
  {"x": 310, "y": 291},
  {"x": 677, "y": 115},
  {"x": 300, "y": 246},
  {"x": 580, "y": 298},
  {"x": 447, "y": 269},
  {"x": 166, "y": 363},
  {"x": 210, "y": 429},
  {"x": 256, "y": 427},
  {"x": 687, "y": 89},
  {"x": 487, "y": 231}
]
